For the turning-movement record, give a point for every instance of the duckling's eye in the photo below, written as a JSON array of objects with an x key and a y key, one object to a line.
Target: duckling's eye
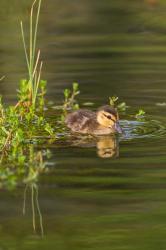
[{"x": 109, "y": 117}]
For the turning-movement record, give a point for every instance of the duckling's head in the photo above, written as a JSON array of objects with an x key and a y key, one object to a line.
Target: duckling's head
[{"x": 107, "y": 116}]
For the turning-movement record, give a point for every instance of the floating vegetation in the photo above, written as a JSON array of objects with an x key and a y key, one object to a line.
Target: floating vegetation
[
  {"x": 161, "y": 104},
  {"x": 88, "y": 104}
]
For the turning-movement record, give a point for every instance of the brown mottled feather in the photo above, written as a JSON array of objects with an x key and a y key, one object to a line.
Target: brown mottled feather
[{"x": 82, "y": 120}]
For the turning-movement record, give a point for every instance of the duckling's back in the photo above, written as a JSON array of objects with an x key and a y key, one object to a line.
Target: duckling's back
[{"x": 82, "y": 121}]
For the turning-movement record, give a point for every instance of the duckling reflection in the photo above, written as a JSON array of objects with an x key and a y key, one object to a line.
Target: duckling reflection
[{"x": 107, "y": 145}]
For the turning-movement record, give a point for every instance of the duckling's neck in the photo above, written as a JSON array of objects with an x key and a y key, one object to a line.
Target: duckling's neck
[{"x": 101, "y": 130}]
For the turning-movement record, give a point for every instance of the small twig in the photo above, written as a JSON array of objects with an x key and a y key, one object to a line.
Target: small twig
[
  {"x": 5, "y": 146},
  {"x": 7, "y": 140}
]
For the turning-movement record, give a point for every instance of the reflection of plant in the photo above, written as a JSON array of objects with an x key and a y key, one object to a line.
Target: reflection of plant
[
  {"x": 25, "y": 169},
  {"x": 35, "y": 205},
  {"x": 36, "y": 165},
  {"x": 26, "y": 172}
]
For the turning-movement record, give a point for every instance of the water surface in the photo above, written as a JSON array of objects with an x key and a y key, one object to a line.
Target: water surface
[{"x": 88, "y": 201}]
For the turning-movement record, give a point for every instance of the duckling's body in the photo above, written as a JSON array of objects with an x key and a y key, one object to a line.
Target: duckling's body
[
  {"x": 85, "y": 121},
  {"x": 101, "y": 122}
]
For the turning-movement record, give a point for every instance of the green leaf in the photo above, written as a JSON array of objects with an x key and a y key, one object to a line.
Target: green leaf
[
  {"x": 141, "y": 114},
  {"x": 113, "y": 100},
  {"x": 67, "y": 93},
  {"x": 49, "y": 129},
  {"x": 75, "y": 86}
]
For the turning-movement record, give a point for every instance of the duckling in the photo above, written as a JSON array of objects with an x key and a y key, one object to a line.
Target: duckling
[{"x": 103, "y": 122}]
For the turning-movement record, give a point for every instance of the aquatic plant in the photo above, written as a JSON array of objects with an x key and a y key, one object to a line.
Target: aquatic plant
[
  {"x": 140, "y": 115},
  {"x": 122, "y": 106},
  {"x": 34, "y": 65},
  {"x": 70, "y": 102},
  {"x": 20, "y": 124}
]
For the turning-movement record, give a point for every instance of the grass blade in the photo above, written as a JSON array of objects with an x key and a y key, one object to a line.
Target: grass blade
[
  {"x": 36, "y": 28},
  {"x": 24, "y": 44}
]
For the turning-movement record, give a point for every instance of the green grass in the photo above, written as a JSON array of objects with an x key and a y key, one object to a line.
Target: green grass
[
  {"x": 34, "y": 65},
  {"x": 21, "y": 123}
]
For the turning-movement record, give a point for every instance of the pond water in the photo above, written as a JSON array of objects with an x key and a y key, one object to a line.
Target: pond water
[{"x": 91, "y": 197}]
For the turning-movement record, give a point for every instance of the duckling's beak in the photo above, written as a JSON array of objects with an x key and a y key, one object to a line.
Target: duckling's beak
[{"x": 118, "y": 128}]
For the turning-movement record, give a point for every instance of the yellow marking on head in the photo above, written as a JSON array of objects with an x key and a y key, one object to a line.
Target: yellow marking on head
[{"x": 106, "y": 119}]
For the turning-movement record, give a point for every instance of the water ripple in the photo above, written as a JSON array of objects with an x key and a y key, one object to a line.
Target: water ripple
[{"x": 142, "y": 129}]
